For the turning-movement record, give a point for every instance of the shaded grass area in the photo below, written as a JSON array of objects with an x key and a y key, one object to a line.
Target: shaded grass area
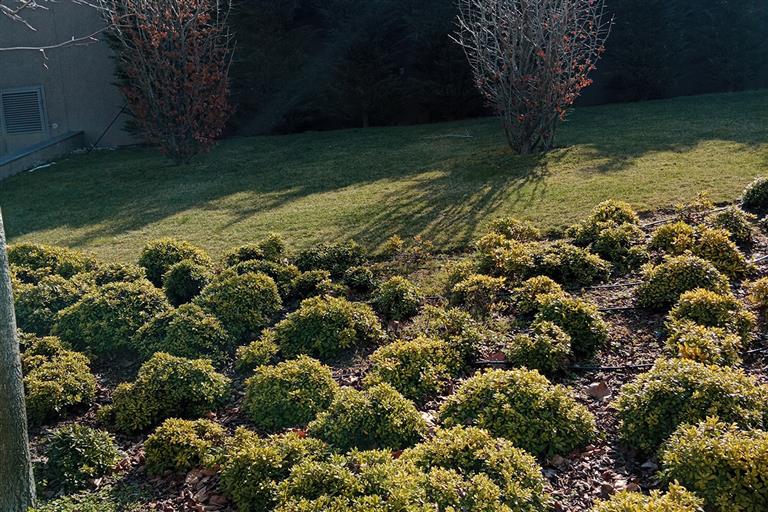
[{"x": 444, "y": 181}]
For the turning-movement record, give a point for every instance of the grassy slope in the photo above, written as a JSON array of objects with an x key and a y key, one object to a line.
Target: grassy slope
[{"x": 371, "y": 184}]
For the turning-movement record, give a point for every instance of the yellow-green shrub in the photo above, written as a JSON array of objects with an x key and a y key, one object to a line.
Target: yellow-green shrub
[
  {"x": 185, "y": 280},
  {"x": 755, "y": 197},
  {"x": 546, "y": 349},
  {"x": 49, "y": 259},
  {"x": 524, "y": 407},
  {"x": 675, "y": 238},
  {"x": 38, "y": 304},
  {"x": 288, "y": 395},
  {"x": 736, "y": 222},
  {"x": 677, "y": 391},
  {"x": 608, "y": 213},
  {"x": 335, "y": 258},
  {"x": 158, "y": 256},
  {"x": 397, "y": 299},
  {"x": 271, "y": 248},
  {"x": 724, "y": 465},
  {"x": 283, "y": 274},
  {"x": 323, "y": 327},
  {"x": 360, "y": 279},
  {"x": 259, "y": 352},
  {"x": 77, "y": 454},
  {"x": 181, "y": 445},
  {"x": 677, "y": 499},
  {"x": 378, "y": 417},
  {"x": 105, "y": 319},
  {"x": 515, "y": 229},
  {"x": 708, "y": 345},
  {"x": 715, "y": 245},
  {"x": 620, "y": 244},
  {"x": 106, "y": 273},
  {"x": 525, "y": 298},
  {"x": 580, "y": 319},
  {"x": 167, "y": 387},
  {"x": 758, "y": 293},
  {"x": 311, "y": 283},
  {"x": 478, "y": 293},
  {"x": 244, "y": 304},
  {"x": 419, "y": 369},
  {"x": 712, "y": 309},
  {"x": 664, "y": 283},
  {"x": 452, "y": 325}
]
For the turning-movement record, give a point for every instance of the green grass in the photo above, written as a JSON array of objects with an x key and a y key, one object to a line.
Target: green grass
[{"x": 371, "y": 184}]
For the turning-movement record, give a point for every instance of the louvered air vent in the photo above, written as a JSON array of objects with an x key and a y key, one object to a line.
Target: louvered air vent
[{"x": 22, "y": 111}]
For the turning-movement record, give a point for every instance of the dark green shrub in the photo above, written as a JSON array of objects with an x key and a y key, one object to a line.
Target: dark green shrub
[
  {"x": 257, "y": 353},
  {"x": 245, "y": 304},
  {"x": 736, "y": 222},
  {"x": 758, "y": 293},
  {"x": 478, "y": 293},
  {"x": 525, "y": 298},
  {"x": 360, "y": 279},
  {"x": 158, "y": 256},
  {"x": 378, "y": 417},
  {"x": 288, "y": 395},
  {"x": 187, "y": 331},
  {"x": 471, "y": 452},
  {"x": 49, "y": 259},
  {"x": 675, "y": 238},
  {"x": 677, "y": 391},
  {"x": 716, "y": 246},
  {"x": 397, "y": 299},
  {"x": 185, "y": 280},
  {"x": 323, "y": 327},
  {"x": 677, "y": 499},
  {"x": 76, "y": 455},
  {"x": 755, "y": 197},
  {"x": 546, "y": 349},
  {"x": 664, "y": 283},
  {"x": 253, "y": 467},
  {"x": 166, "y": 387},
  {"x": 515, "y": 229},
  {"x": 712, "y": 309},
  {"x": 283, "y": 274},
  {"x": 708, "y": 345},
  {"x": 335, "y": 258},
  {"x": 38, "y": 304},
  {"x": 105, "y": 319},
  {"x": 312, "y": 283},
  {"x": 724, "y": 465},
  {"x": 106, "y": 273},
  {"x": 580, "y": 319},
  {"x": 522, "y": 406},
  {"x": 181, "y": 445},
  {"x": 620, "y": 244},
  {"x": 419, "y": 369},
  {"x": 271, "y": 248}
]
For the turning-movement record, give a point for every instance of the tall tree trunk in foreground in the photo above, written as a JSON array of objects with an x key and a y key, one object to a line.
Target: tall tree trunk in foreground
[{"x": 17, "y": 485}]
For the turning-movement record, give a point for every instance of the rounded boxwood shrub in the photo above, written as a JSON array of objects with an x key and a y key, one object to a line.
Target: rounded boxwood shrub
[
  {"x": 325, "y": 326},
  {"x": 621, "y": 245},
  {"x": 758, "y": 293},
  {"x": 187, "y": 331},
  {"x": 167, "y": 386},
  {"x": 712, "y": 309},
  {"x": 310, "y": 480},
  {"x": 677, "y": 499},
  {"x": 515, "y": 229},
  {"x": 185, "y": 280},
  {"x": 106, "y": 273},
  {"x": 677, "y": 391},
  {"x": 312, "y": 283},
  {"x": 452, "y": 325},
  {"x": 158, "y": 256},
  {"x": 607, "y": 214},
  {"x": 524, "y": 407},
  {"x": 259, "y": 352},
  {"x": 335, "y": 258},
  {"x": 360, "y": 279},
  {"x": 50, "y": 259},
  {"x": 675, "y": 238},
  {"x": 580, "y": 319},
  {"x": 181, "y": 445},
  {"x": 471, "y": 452},
  {"x": 244, "y": 304},
  {"x": 478, "y": 293},
  {"x": 253, "y": 467},
  {"x": 566, "y": 263},
  {"x": 708, "y": 345},
  {"x": 55, "y": 379},
  {"x": 76, "y": 455},
  {"x": 105, "y": 319},
  {"x": 283, "y": 274},
  {"x": 419, "y": 369},
  {"x": 736, "y": 222},
  {"x": 271, "y": 248},
  {"x": 38, "y": 304},
  {"x": 755, "y": 197},
  {"x": 378, "y": 417},
  {"x": 716, "y": 246},
  {"x": 525, "y": 298},
  {"x": 664, "y": 283},
  {"x": 722, "y": 464},
  {"x": 397, "y": 299},
  {"x": 288, "y": 395},
  {"x": 546, "y": 349}
]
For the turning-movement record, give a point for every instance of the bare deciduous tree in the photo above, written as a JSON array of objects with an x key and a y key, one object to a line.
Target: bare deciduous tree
[{"x": 531, "y": 59}]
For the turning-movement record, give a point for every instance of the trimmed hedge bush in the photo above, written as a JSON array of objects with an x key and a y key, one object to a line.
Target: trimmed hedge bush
[
  {"x": 546, "y": 349},
  {"x": 677, "y": 499},
  {"x": 312, "y": 283},
  {"x": 515, "y": 229},
  {"x": 158, "y": 256},
  {"x": 620, "y": 244},
  {"x": 419, "y": 369},
  {"x": 185, "y": 280},
  {"x": 38, "y": 304},
  {"x": 283, "y": 274},
  {"x": 360, "y": 279},
  {"x": 323, "y": 327},
  {"x": 708, "y": 345},
  {"x": 758, "y": 293},
  {"x": 76, "y": 455},
  {"x": 525, "y": 298},
  {"x": 181, "y": 445},
  {"x": 473, "y": 452},
  {"x": 271, "y": 248},
  {"x": 478, "y": 293},
  {"x": 712, "y": 309},
  {"x": 580, "y": 319},
  {"x": 106, "y": 273},
  {"x": 675, "y": 238},
  {"x": 187, "y": 331},
  {"x": 715, "y": 245},
  {"x": 378, "y": 417},
  {"x": 49, "y": 259},
  {"x": 257, "y": 353},
  {"x": 524, "y": 407},
  {"x": 55, "y": 379},
  {"x": 755, "y": 197},
  {"x": 677, "y": 391},
  {"x": 288, "y": 395},
  {"x": 664, "y": 283},
  {"x": 452, "y": 325},
  {"x": 724, "y": 465},
  {"x": 736, "y": 222},
  {"x": 397, "y": 299},
  {"x": 253, "y": 467},
  {"x": 244, "y": 304},
  {"x": 335, "y": 258},
  {"x": 105, "y": 319},
  {"x": 166, "y": 386}
]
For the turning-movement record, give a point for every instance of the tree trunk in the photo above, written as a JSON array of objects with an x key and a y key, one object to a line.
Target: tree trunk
[{"x": 17, "y": 485}]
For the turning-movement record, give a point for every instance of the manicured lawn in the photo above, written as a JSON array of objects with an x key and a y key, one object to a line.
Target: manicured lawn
[{"x": 370, "y": 184}]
